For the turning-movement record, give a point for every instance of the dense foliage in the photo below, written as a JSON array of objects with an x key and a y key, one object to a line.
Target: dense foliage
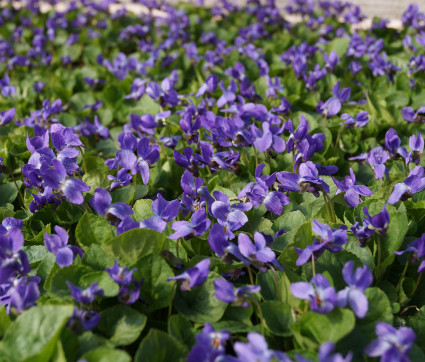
[{"x": 211, "y": 184}]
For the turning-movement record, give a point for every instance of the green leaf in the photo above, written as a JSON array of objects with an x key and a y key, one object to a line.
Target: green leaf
[
  {"x": 278, "y": 317},
  {"x": 97, "y": 258},
  {"x": 313, "y": 329},
  {"x": 8, "y": 193},
  {"x": 110, "y": 288},
  {"x": 142, "y": 209},
  {"x": 121, "y": 324},
  {"x": 104, "y": 354},
  {"x": 93, "y": 229},
  {"x": 73, "y": 274},
  {"x": 158, "y": 346},
  {"x": 156, "y": 290},
  {"x": 180, "y": 328},
  {"x": 200, "y": 304},
  {"x": 96, "y": 179},
  {"x": 133, "y": 245},
  {"x": 339, "y": 45},
  {"x": 34, "y": 334},
  {"x": 4, "y": 320},
  {"x": 379, "y": 311}
]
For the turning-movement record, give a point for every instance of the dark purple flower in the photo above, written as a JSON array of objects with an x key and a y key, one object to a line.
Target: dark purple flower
[
  {"x": 392, "y": 145},
  {"x": 85, "y": 296},
  {"x": 219, "y": 244},
  {"x": 83, "y": 320},
  {"x": 325, "y": 354},
  {"x": 195, "y": 276},
  {"x": 102, "y": 204},
  {"x": 416, "y": 143},
  {"x": 209, "y": 86},
  {"x": 121, "y": 275},
  {"x": 229, "y": 94},
  {"x": 329, "y": 239},
  {"x": 358, "y": 281},
  {"x": 23, "y": 294},
  {"x": 417, "y": 250},
  {"x": 392, "y": 344},
  {"x": 413, "y": 184},
  {"x": 225, "y": 292},
  {"x": 306, "y": 181},
  {"x": 318, "y": 292},
  {"x": 38, "y": 86},
  {"x": 7, "y": 116},
  {"x": 198, "y": 225},
  {"x": 351, "y": 189},
  {"x": 361, "y": 120},
  {"x": 58, "y": 244},
  {"x": 122, "y": 179},
  {"x": 210, "y": 345},
  {"x": 258, "y": 253},
  {"x": 167, "y": 210},
  {"x": 56, "y": 178}
]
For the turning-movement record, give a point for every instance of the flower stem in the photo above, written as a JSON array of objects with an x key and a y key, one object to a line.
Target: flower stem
[
  {"x": 338, "y": 136},
  {"x": 135, "y": 188},
  {"x": 325, "y": 122},
  {"x": 378, "y": 244},
  {"x": 170, "y": 306},
  {"x": 313, "y": 265},
  {"x": 397, "y": 288},
  {"x": 251, "y": 277},
  {"x": 417, "y": 285},
  {"x": 177, "y": 248},
  {"x": 84, "y": 159},
  {"x": 256, "y": 157},
  {"x": 276, "y": 283},
  {"x": 260, "y": 312},
  {"x": 17, "y": 187}
]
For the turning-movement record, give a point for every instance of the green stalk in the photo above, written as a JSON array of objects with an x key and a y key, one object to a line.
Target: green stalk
[
  {"x": 276, "y": 283},
  {"x": 313, "y": 265},
  {"x": 170, "y": 306},
  {"x": 397, "y": 288},
  {"x": 378, "y": 245},
  {"x": 260, "y": 312},
  {"x": 251, "y": 277},
  {"x": 417, "y": 285}
]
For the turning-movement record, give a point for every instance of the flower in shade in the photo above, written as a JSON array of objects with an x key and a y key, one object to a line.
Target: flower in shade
[
  {"x": 7, "y": 116},
  {"x": 411, "y": 116},
  {"x": 358, "y": 281},
  {"x": 326, "y": 355},
  {"x": 351, "y": 189},
  {"x": 258, "y": 253},
  {"x": 219, "y": 244},
  {"x": 56, "y": 178},
  {"x": 85, "y": 296},
  {"x": 318, "y": 292},
  {"x": 58, "y": 244},
  {"x": 195, "y": 276},
  {"x": 416, "y": 143},
  {"x": 226, "y": 292},
  {"x": 361, "y": 120},
  {"x": 83, "y": 320},
  {"x": 210, "y": 345},
  {"x": 392, "y": 145},
  {"x": 257, "y": 350},
  {"x": 417, "y": 250},
  {"x": 102, "y": 204},
  {"x": 392, "y": 344},
  {"x": 23, "y": 294},
  {"x": 129, "y": 287},
  {"x": 413, "y": 184}
]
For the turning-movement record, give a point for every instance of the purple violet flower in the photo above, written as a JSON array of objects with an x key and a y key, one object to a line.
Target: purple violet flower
[
  {"x": 258, "y": 253},
  {"x": 58, "y": 244},
  {"x": 413, "y": 184},
  {"x": 358, "y": 281},
  {"x": 411, "y": 116},
  {"x": 392, "y": 344},
  {"x": 318, "y": 292},
  {"x": 417, "y": 250},
  {"x": 225, "y": 292},
  {"x": 102, "y": 204},
  {"x": 86, "y": 296},
  {"x": 195, "y": 276},
  {"x": 351, "y": 189}
]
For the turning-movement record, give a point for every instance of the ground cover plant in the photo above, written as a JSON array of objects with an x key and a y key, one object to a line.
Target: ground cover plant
[{"x": 211, "y": 184}]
